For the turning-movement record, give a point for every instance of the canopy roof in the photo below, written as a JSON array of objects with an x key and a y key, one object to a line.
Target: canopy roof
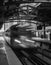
[{"x": 40, "y": 12}]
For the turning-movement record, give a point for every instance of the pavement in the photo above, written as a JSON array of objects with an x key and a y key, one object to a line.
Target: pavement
[
  {"x": 3, "y": 58},
  {"x": 7, "y": 56}
]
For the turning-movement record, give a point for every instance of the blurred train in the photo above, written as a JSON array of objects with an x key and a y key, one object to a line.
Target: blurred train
[{"x": 20, "y": 37}]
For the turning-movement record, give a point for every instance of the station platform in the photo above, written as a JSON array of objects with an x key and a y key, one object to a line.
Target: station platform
[
  {"x": 7, "y": 56},
  {"x": 3, "y": 58}
]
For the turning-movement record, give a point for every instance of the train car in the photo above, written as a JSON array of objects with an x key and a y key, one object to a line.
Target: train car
[{"x": 20, "y": 38}]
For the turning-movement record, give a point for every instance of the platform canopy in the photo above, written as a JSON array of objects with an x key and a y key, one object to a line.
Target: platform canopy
[{"x": 19, "y": 10}]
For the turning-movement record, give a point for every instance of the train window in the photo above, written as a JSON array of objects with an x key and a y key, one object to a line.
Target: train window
[{"x": 39, "y": 27}]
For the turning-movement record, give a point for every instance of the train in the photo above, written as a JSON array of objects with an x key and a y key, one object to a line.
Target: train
[{"x": 20, "y": 37}]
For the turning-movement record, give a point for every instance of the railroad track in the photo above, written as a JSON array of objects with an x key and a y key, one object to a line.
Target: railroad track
[
  {"x": 45, "y": 52},
  {"x": 30, "y": 56},
  {"x": 37, "y": 59},
  {"x": 23, "y": 57}
]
